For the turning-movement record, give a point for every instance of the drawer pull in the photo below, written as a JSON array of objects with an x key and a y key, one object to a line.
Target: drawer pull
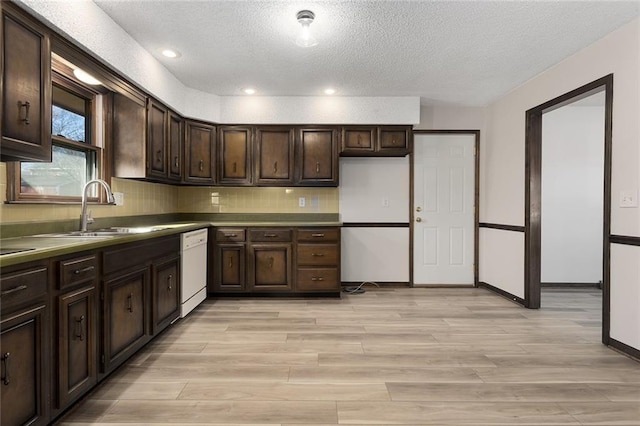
[
  {"x": 176, "y": 164},
  {"x": 230, "y": 235},
  {"x": 79, "y": 334},
  {"x": 201, "y": 165},
  {"x": 275, "y": 167},
  {"x": 13, "y": 290},
  {"x": 130, "y": 303},
  {"x": 5, "y": 368},
  {"x": 393, "y": 141},
  {"x": 319, "y": 235},
  {"x": 271, "y": 260},
  {"x": 234, "y": 167},
  {"x": 159, "y": 156},
  {"x": 169, "y": 279},
  {"x": 317, "y": 279},
  {"x": 230, "y": 262},
  {"x": 26, "y": 106},
  {"x": 317, "y": 254},
  {"x": 359, "y": 140},
  {"x": 317, "y": 167},
  {"x": 270, "y": 235},
  {"x": 87, "y": 269}
]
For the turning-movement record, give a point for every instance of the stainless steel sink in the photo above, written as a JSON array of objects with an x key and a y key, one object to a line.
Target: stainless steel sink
[{"x": 106, "y": 232}]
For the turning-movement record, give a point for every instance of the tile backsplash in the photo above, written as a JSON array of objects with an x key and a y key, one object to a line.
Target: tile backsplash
[{"x": 145, "y": 198}]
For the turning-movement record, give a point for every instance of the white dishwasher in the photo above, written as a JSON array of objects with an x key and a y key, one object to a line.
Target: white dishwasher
[{"x": 193, "y": 249}]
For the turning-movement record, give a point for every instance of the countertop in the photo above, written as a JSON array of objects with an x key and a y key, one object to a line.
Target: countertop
[{"x": 47, "y": 245}]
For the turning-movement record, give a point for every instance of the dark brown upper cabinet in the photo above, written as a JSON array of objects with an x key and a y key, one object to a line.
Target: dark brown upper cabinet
[
  {"x": 157, "y": 119},
  {"x": 375, "y": 141},
  {"x": 129, "y": 137},
  {"x": 234, "y": 155},
  {"x": 274, "y": 156},
  {"x": 25, "y": 62},
  {"x": 176, "y": 146},
  {"x": 199, "y": 153},
  {"x": 317, "y": 157}
]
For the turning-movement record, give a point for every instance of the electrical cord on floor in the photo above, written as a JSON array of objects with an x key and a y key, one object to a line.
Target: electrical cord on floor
[{"x": 358, "y": 289}]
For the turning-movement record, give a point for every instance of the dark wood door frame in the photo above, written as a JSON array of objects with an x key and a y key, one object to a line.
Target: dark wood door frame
[
  {"x": 476, "y": 197},
  {"x": 533, "y": 196}
]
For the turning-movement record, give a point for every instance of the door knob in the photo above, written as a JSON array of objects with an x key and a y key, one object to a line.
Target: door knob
[
  {"x": 418, "y": 219},
  {"x": 418, "y": 209}
]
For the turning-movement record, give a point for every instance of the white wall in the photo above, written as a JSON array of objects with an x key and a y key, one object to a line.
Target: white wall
[
  {"x": 87, "y": 24},
  {"x": 572, "y": 193},
  {"x": 502, "y": 185}
]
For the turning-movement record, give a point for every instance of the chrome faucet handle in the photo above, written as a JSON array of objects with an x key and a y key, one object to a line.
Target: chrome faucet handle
[{"x": 90, "y": 218}]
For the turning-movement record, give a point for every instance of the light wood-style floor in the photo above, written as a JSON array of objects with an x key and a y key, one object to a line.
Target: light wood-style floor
[{"x": 390, "y": 356}]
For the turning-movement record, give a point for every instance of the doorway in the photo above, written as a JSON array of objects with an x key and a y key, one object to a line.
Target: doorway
[
  {"x": 444, "y": 219},
  {"x": 535, "y": 202}
]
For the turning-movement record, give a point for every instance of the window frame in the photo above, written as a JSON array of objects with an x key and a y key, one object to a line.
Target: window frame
[{"x": 95, "y": 146}]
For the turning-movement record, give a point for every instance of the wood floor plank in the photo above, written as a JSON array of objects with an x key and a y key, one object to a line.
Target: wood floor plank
[
  {"x": 598, "y": 413},
  {"x": 381, "y": 375}
]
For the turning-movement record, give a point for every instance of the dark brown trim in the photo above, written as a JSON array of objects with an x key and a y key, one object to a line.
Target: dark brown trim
[
  {"x": 501, "y": 292},
  {"x": 376, "y": 224},
  {"x": 533, "y": 198},
  {"x": 476, "y": 213},
  {"x": 625, "y": 349},
  {"x": 627, "y": 240},
  {"x": 501, "y": 227},
  {"x": 571, "y": 285}
]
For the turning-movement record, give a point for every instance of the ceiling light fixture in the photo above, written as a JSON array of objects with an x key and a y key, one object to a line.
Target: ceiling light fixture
[
  {"x": 249, "y": 91},
  {"x": 170, "y": 53},
  {"x": 329, "y": 91},
  {"x": 305, "y": 38},
  {"x": 85, "y": 77}
]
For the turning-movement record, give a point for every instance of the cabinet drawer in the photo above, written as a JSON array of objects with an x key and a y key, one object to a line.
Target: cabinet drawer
[
  {"x": 319, "y": 235},
  {"x": 74, "y": 271},
  {"x": 268, "y": 235},
  {"x": 317, "y": 254},
  {"x": 23, "y": 286},
  {"x": 230, "y": 234},
  {"x": 317, "y": 279}
]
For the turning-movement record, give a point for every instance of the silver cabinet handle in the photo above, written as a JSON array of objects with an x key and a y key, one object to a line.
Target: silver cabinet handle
[
  {"x": 13, "y": 290},
  {"x": 5, "y": 364},
  {"x": 26, "y": 106}
]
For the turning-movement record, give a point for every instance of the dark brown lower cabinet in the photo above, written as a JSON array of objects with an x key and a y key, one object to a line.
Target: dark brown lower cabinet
[
  {"x": 270, "y": 267},
  {"x": 126, "y": 315},
  {"x": 230, "y": 267},
  {"x": 166, "y": 289},
  {"x": 23, "y": 361},
  {"x": 77, "y": 340}
]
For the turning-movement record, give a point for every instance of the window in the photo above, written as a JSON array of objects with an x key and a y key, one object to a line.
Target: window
[{"x": 76, "y": 153}]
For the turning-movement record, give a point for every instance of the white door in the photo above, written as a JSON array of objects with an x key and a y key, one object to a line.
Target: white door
[{"x": 444, "y": 192}]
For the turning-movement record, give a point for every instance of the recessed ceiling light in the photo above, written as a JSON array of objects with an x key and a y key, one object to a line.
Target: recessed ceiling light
[
  {"x": 329, "y": 91},
  {"x": 249, "y": 91},
  {"x": 170, "y": 53},
  {"x": 85, "y": 77}
]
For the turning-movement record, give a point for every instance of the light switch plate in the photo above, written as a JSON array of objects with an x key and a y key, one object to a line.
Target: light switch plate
[{"x": 628, "y": 198}]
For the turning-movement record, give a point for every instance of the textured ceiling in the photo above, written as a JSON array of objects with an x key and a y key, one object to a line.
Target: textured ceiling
[{"x": 446, "y": 52}]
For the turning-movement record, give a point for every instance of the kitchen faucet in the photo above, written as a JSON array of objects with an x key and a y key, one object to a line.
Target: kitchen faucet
[{"x": 84, "y": 218}]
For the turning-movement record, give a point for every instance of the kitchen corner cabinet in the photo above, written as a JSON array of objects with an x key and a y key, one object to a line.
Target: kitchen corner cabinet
[
  {"x": 200, "y": 153},
  {"x": 25, "y": 63},
  {"x": 317, "y": 157},
  {"x": 270, "y": 260},
  {"x": 166, "y": 292},
  {"x": 274, "y": 156},
  {"x": 234, "y": 155},
  {"x": 24, "y": 350},
  {"x": 375, "y": 141}
]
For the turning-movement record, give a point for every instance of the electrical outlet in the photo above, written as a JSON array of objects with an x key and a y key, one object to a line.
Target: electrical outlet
[
  {"x": 628, "y": 198},
  {"x": 385, "y": 202},
  {"x": 302, "y": 202},
  {"x": 119, "y": 197}
]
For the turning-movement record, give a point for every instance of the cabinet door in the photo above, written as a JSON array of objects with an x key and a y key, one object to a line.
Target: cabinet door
[
  {"x": 129, "y": 137},
  {"x": 156, "y": 140},
  {"x": 358, "y": 140},
  {"x": 394, "y": 141},
  {"x": 25, "y": 91},
  {"x": 317, "y": 157},
  {"x": 126, "y": 313},
  {"x": 230, "y": 262},
  {"x": 200, "y": 151},
  {"x": 22, "y": 362},
  {"x": 77, "y": 333},
  {"x": 234, "y": 155},
  {"x": 274, "y": 156},
  {"x": 166, "y": 289},
  {"x": 270, "y": 267},
  {"x": 176, "y": 143}
]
